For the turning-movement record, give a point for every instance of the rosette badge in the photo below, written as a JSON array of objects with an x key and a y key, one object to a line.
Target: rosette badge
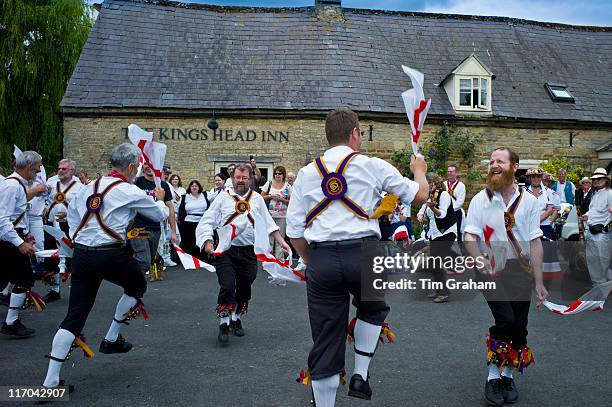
[
  {"x": 508, "y": 220},
  {"x": 334, "y": 185},
  {"x": 242, "y": 207},
  {"x": 94, "y": 203},
  {"x": 60, "y": 197}
]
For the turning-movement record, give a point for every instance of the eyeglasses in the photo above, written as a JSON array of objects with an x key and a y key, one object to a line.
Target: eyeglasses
[{"x": 278, "y": 173}]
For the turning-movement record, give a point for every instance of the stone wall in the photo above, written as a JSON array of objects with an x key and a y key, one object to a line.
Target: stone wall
[{"x": 192, "y": 147}]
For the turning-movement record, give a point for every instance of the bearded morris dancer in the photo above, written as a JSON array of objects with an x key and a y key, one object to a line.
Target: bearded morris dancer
[
  {"x": 551, "y": 268},
  {"x": 98, "y": 218},
  {"x": 63, "y": 188},
  {"x": 456, "y": 190},
  {"x": 237, "y": 267},
  {"x": 507, "y": 219},
  {"x": 16, "y": 243},
  {"x": 328, "y": 221}
]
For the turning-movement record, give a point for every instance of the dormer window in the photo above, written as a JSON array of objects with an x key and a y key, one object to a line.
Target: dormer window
[{"x": 468, "y": 86}]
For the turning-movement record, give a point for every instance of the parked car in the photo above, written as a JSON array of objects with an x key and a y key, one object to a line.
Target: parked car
[{"x": 570, "y": 246}]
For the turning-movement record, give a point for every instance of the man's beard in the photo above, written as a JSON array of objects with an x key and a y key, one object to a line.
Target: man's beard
[
  {"x": 241, "y": 189},
  {"x": 500, "y": 181}
]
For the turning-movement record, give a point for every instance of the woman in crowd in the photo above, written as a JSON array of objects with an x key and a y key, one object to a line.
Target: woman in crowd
[
  {"x": 440, "y": 230},
  {"x": 219, "y": 182},
  {"x": 176, "y": 185},
  {"x": 192, "y": 207},
  {"x": 277, "y": 193}
]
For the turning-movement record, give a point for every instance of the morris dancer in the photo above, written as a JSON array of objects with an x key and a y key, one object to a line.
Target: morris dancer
[
  {"x": 62, "y": 187},
  {"x": 504, "y": 212},
  {"x": 16, "y": 244},
  {"x": 551, "y": 268},
  {"x": 328, "y": 220},
  {"x": 98, "y": 219},
  {"x": 237, "y": 267},
  {"x": 456, "y": 190}
]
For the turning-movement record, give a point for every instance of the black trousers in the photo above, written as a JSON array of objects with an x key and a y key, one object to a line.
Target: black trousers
[
  {"x": 90, "y": 267},
  {"x": 236, "y": 271},
  {"x": 509, "y": 304},
  {"x": 458, "y": 216},
  {"x": 332, "y": 275},
  {"x": 441, "y": 248},
  {"x": 188, "y": 238},
  {"x": 16, "y": 268}
]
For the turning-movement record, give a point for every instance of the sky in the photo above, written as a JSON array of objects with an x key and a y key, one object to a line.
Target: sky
[{"x": 576, "y": 12}]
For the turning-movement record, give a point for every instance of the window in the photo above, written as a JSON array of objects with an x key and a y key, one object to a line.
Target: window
[
  {"x": 474, "y": 93},
  {"x": 559, "y": 93}
]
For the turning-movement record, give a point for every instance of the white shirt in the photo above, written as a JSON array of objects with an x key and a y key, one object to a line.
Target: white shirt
[
  {"x": 177, "y": 195},
  {"x": 433, "y": 232},
  {"x": 13, "y": 202},
  {"x": 366, "y": 178},
  {"x": 601, "y": 202},
  {"x": 222, "y": 208},
  {"x": 560, "y": 189},
  {"x": 72, "y": 193},
  {"x": 121, "y": 204},
  {"x": 544, "y": 202},
  {"x": 459, "y": 194},
  {"x": 483, "y": 212},
  {"x": 195, "y": 207},
  {"x": 214, "y": 192},
  {"x": 229, "y": 184},
  {"x": 404, "y": 210},
  {"x": 555, "y": 198},
  {"x": 37, "y": 205}
]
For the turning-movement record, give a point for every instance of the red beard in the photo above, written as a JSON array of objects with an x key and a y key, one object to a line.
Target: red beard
[{"x": 500, "y": 181}]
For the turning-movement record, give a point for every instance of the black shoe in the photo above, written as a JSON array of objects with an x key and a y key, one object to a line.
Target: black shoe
[
  {"x": 509, "y": 390},
  {"x": 493, "y": 392},
  {"x": 5, "y": 299},
  {"x": 236, "y": 327},
  {"x": 119, "y": 346},
  {"x": 359, "y": 388},
  {"x": 52, "y": 296},
  {"x": 61, "y": 384},
  {"x": 17, "y": 329},
  {"x": 223, "y": 337}
]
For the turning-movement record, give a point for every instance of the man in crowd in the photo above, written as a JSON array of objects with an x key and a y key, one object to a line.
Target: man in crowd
[
  {"x": 290, "y": 178},
  {"x": 599, "y": 231},
  {"x": 328, "y": 222},
  {"x": 506, "y": 213},
  {"x": 565, "y": 188},
  {"x": 145, "y": 235},
  {"x": 583, "y": 196}
]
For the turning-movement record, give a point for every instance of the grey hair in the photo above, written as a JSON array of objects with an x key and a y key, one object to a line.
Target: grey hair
[
  {"x": 68, "y": 161},
  {"x": 26, "y": 158},
  {"x": 123, "y": 155}
]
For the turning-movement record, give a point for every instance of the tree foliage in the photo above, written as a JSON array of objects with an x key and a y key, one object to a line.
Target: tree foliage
[
  {"x": 40, "y": 44},
  {"x": 574, "y": 172}
]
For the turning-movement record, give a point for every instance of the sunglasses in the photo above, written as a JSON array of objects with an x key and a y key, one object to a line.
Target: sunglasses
[{"x": 278, "y": 173}]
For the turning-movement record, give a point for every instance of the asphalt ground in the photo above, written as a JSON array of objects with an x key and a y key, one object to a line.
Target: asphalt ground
[{"x": 438, "y": 358}]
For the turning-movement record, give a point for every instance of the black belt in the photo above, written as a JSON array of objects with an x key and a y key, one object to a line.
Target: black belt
[
  {"x": 111, "y": 246},
  {"x": 337, "y": 243}
]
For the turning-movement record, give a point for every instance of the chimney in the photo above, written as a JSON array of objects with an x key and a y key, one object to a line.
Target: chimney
[{"x": 329, "y": 9}]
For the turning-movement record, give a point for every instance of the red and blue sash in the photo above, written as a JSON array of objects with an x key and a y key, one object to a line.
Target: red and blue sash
[{"x": 334, "y": 188}]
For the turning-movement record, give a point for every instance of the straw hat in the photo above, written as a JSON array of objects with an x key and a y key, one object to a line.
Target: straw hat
[{"x": 599, "y": 173}]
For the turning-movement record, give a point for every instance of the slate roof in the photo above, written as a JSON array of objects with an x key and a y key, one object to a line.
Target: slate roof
[{"x": 157, "y": 54}]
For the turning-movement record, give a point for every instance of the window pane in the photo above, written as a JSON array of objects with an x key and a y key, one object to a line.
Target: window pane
[
  {"x": 560, "y": 92},
  {"x": 484, "y": 92},
  {"x": 475, "y": 83},
  {"x": 465, "y": 98},
  {"x": 465, "y": 85}
]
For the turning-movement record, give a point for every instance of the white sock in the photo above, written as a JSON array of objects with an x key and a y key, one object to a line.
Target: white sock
[
  {"x": 125, "y": 303},
  {"x": 17, "y": 300},
  {"x": 494, "y": 372},
  {"x": 235, "y": 317},
  {"x": 61, "y": 345},
  {"x": 325, "y": 390},
  {"x": 56, "y": 279},
  {"x": 224, "y": 320},
  {"x": 507, "y": 372},
  {"x": 366, "y": 338}
]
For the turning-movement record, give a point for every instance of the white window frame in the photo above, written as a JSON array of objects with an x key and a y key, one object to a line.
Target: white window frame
[
  {"x": 223, "y": 164},
  {"x": 480, "y": 106}
]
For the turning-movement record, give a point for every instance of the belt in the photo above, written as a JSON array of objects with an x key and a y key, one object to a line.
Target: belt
[
  {"x": 111, "y": 246},
  {"x": 338, "y": 243}
]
